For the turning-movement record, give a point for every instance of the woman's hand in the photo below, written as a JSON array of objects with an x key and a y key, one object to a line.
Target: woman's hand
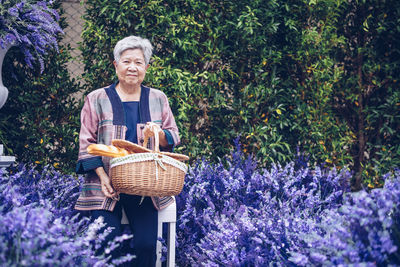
[
  {"x": 151, "y": 128},
  {"x": 106, "y": 186}
]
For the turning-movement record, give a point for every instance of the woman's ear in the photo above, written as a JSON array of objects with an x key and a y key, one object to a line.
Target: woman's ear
[{"x": 115, "y": 63}]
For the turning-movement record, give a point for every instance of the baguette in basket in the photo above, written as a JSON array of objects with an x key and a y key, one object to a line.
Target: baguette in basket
[{"x": 107, "y": 151}]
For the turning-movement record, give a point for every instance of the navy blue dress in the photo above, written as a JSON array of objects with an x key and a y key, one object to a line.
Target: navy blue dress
[
  {"x": 142, "y": 216},
  {"x": 132, "y": 117}
]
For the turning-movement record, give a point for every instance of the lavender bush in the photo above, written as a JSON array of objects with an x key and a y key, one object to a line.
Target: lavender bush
[
  {"x": 38, "y": 226},
  {"x": 365, "y": 229},
  {"x": 286, "y": 216},
  {"x": 30, "y": 25},
  {"x": 230, "y": 214}
]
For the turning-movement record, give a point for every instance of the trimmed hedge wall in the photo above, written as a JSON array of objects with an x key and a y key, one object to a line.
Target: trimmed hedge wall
[{"x": 315, "y": 76}]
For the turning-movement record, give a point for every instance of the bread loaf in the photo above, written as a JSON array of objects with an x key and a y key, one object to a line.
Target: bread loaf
[
  {"x": 107, "y": 151},
  {"x": 134, "y": 148}
]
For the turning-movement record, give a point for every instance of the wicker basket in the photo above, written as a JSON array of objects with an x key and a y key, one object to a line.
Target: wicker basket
[{"x": 148, "y": 174}]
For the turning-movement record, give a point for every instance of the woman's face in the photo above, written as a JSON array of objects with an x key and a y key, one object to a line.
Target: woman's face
[{"x": 131, "y": 68}]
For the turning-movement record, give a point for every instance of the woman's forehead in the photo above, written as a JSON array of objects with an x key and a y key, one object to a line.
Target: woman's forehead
[{"x": 133, "y": 53}]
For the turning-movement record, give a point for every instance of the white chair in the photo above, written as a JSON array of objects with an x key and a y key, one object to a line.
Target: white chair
[{"x": 167, "y": 215}]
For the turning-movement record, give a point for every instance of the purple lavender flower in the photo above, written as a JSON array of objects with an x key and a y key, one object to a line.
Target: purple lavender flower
[
  {"x": 33, "y": 26},
  {"x": 20, "y": 5},
  {"x": 39, "y": 227},
  {"x": 13, "y": 11},
  {"x": 299, "y": 259},
  {"x": 286, "y": 216}
]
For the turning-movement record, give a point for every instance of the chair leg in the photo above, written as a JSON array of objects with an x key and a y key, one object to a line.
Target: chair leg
[
  {"x": 171, "y": 244},
  {"x": 159, "y": 251}
]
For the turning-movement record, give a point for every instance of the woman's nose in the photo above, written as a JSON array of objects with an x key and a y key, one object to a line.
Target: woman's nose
[{"x": 132, "y": 66}]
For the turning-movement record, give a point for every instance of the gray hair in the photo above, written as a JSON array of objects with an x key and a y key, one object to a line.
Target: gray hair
[{"x": 133, "y": 42}]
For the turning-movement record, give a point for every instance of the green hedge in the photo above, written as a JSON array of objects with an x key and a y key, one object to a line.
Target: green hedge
[
  {"x": 313, "y": 77},
  {"x": 40, "y": 121},
  {"x": 210, "y": 59},
  {"x": 283, "y": 76}
]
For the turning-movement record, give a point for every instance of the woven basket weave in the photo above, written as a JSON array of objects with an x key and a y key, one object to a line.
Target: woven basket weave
[{"x": 148, "y": 174}]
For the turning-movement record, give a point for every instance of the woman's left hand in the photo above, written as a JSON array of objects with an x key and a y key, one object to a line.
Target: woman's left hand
[{"x": 151, "y": 128}]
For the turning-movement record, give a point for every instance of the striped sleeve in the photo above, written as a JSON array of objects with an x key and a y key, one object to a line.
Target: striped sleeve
[
  {"x": 87, "y": 136},
  {"x": 168, "y": 123}
]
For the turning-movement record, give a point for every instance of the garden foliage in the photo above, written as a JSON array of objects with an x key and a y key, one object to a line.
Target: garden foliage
[
  {"x": 39, "y": 123},
  {"x": 287, "y": 215},
  {"x": 318, "y": 75},
  {"x": 38, "y": 225}
]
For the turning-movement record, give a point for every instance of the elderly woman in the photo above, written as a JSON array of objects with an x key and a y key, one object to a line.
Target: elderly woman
[{"x": 123, "y": 111}]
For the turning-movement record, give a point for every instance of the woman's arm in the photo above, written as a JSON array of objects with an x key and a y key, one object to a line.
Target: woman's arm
[
  {"x": 105, "y": 181},
  {"x": 169, "y": 127},
  {"x": 163, "y": 139},
  {"x": 88, "y": 136}
]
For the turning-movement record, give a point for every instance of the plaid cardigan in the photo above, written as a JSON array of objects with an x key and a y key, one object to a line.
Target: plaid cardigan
[{"x": 103, "y": 119}]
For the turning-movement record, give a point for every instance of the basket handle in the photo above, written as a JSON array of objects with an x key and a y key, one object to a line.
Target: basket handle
[{"x": 155, "y": 129}]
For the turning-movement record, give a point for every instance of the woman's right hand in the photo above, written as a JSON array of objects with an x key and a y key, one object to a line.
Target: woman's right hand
[{"x": 106, "y": 186}]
